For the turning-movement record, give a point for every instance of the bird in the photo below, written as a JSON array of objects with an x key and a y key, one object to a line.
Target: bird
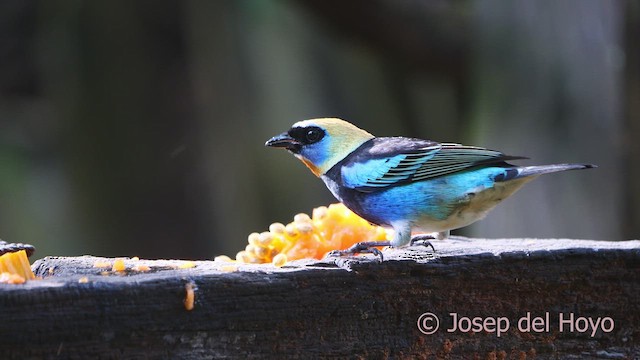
[{"x": 409, "y": 185}]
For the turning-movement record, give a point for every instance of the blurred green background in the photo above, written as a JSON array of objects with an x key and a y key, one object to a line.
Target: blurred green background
[{"x": 138, "y": 127}]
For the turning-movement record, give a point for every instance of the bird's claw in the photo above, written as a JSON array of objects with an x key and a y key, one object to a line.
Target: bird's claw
[
  {"x": 423, "y": 240},
  {"x": 361, "y": 247}
]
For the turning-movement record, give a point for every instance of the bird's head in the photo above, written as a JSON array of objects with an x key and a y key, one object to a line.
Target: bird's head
[{"x": 321, "y": 143}]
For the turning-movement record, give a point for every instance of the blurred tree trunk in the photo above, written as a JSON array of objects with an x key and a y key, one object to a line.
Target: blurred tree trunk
[
  {"x": 423, "y": 49},
  {"x": 631, "y": 173},
  {"x": 117, "y": 78},
  {"x": 223, "y": 100},
  {"x": 548, "y": 75}
]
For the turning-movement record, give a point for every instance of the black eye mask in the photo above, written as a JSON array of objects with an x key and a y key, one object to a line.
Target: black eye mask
[{"x": 307, "y": 135}]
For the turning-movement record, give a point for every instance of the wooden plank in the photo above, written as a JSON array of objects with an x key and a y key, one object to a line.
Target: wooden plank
[{"x": 315, "y": 309}]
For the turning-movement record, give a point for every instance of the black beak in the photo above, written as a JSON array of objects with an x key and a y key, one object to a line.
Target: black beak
[{"x": 284, "y": 141}]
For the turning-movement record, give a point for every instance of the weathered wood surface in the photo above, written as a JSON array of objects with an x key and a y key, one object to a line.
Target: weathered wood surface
[{"x": 314, "y": 309}]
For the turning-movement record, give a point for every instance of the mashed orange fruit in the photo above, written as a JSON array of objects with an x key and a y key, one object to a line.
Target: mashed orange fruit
[
  {"x": 329, "y": 228},
  {"x": 15, "y": 268}
]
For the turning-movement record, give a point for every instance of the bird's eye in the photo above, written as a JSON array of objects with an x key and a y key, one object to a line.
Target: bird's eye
[{"x": 313, "y": 135}]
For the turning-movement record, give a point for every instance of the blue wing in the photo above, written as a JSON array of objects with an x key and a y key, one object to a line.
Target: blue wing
[{"x": 393, "y": 161}]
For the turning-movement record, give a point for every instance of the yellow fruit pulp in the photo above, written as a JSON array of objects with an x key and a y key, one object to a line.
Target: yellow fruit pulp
[
  {"x": 16, "y": 263},
  {"x": 329, "y": 228}
]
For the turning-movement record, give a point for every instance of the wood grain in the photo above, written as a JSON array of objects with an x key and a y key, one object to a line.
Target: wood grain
[{"x": 357, "y": 308}]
